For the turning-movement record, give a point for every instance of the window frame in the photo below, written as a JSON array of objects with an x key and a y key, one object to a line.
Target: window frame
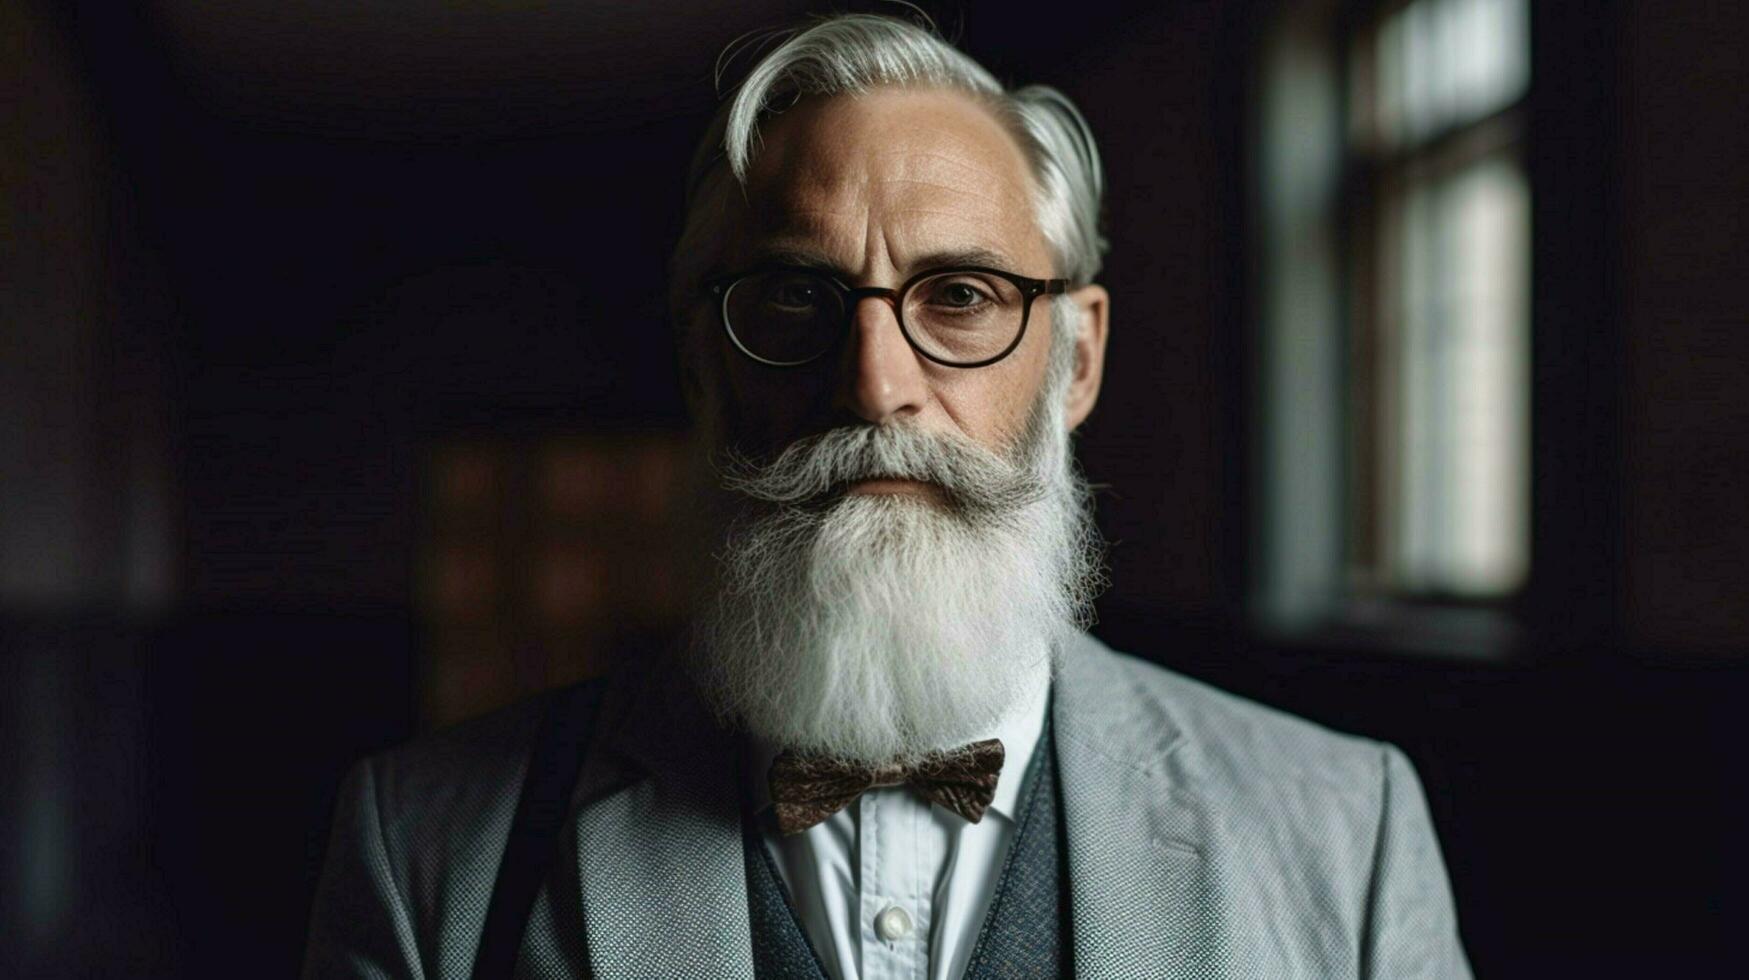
[{"x": 1347, "y": 614}]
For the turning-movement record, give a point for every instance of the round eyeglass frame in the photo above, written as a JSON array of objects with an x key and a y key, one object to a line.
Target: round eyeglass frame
[{"x": 1030, "y": 289}]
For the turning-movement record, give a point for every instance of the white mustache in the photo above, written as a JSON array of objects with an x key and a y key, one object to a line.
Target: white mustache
[{"x": 817, "y": 468}]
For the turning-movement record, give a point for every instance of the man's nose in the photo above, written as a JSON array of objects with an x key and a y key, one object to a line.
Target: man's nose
[{"x": 882, "y": 378}]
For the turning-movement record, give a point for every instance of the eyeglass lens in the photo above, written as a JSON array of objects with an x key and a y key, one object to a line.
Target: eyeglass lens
[{"x": 789, "y": 317}]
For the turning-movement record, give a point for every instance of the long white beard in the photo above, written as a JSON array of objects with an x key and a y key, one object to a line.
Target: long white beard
[{"x": 879, "y": 627}]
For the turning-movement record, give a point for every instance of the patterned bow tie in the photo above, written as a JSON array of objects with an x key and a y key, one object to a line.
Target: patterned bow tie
[{"x": 807, "y": 789}]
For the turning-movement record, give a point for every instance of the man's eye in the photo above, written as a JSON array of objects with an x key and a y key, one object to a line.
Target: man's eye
[
  {"x": 793, "y": 296},
  {"x": 959, "y": 295}
]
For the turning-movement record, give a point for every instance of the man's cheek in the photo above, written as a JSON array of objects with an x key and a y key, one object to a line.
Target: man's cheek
[{"x": 766, "y": 413}]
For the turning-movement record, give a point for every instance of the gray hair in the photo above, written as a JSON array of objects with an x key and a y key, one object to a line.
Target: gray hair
[{"x": 854, "y": 53}]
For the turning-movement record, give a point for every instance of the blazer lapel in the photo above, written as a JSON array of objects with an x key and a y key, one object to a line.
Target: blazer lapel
[
  {"x": 661, "y": 873},
  {"x": 1143, "y": 898},
  {"x": 659, "y": 855}
]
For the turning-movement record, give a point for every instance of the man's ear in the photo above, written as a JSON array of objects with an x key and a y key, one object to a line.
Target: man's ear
[{"x": 1094, "y": 306}]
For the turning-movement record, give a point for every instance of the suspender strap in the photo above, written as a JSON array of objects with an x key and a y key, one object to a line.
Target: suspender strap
[{"x": 534, "y": 834}]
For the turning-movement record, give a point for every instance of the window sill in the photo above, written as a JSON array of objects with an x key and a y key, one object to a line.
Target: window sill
[{"x": 1396, "y": 627}]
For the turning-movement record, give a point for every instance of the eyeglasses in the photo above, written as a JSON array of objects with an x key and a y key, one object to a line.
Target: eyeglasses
[{"x": 964, "y": 316}]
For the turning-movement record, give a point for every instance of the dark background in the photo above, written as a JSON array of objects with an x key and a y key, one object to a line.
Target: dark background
[{"x": 260, "y": 258}]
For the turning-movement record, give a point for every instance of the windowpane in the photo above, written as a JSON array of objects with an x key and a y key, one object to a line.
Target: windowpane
[
  {"x": 1443, "y": 63},
  {"x": 1394, "y": 360},
  {"x": 1457, "y": 326}
]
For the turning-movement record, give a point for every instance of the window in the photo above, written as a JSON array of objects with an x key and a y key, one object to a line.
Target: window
[{"x": 1394, "y": 353}]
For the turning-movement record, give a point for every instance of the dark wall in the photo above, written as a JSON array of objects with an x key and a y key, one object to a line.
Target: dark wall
[
  {"x": 1684, "y": 293},
  {"x": 335, "y": 243}
]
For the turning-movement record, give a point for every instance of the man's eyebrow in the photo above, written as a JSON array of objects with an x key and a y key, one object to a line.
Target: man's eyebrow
[
  {"x": 965, "y": 256},
  {"x": 943, "y": 258},
  {"x": 789, "y": 255},
  {"x": 804, "y": 258}
]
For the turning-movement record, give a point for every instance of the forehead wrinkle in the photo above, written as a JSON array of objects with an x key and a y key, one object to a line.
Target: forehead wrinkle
[
  {"x": 937, "y": 190},
  {"x": 907, "y": 233},
  {"x": 916, "y": 195},
  {"x": 947, "y": 201},
  {"x": 811, "y": 224},
  {"x": 805, "y": 178},
  {"x": 793, "y": 209},
  {"x": 938, "y": 185},
  {"x": 937, "y": 213},
  {"x": 814, "y": 190},
  {"x": 950, "y": 140},
  {"x": 981, "y": 174}
]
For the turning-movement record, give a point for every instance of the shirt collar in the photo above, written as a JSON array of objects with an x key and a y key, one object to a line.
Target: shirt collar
[{"x": 1019, "y": 729}]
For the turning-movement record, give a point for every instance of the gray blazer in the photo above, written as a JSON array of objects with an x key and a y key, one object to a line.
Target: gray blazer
[{"x": 1207, "y": 837}]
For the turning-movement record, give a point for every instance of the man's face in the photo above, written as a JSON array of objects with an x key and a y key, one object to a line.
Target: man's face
[
  {"x": 903, "y": 543},
  {"x": 878, "y": 187}
]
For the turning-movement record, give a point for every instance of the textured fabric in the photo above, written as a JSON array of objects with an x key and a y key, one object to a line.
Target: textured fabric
[
  {"x": 781, "y": 950},
  {"x": 531, "y": 853},
  {"x": 1205, "y": 836},
  {"x": 807, "y": 789},
  {"x": 891, "y": 847},
  {"x": 414, "y": 852},
  {"x": 1024, "y": 936}
]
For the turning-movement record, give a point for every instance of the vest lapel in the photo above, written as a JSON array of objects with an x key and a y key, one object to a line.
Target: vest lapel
[
  {"x": 781, "y": 950},
  {"x": 659, "y": 860},
  {"x": 1142, "y": 899},
  {"x": 1022, "y": 934}
]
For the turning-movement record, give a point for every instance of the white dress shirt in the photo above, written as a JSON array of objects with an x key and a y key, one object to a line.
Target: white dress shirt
[{"x": 893, "y": 886}]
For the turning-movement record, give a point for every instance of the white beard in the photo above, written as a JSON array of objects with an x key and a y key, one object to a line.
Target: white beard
[{"x": 881, "y": 627}]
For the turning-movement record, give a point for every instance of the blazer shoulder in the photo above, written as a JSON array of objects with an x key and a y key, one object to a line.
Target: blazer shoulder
[
  {"x": 455, "y": 788},
  {"x": 419, "y": 831},
  {"x": 1328, "y": 829},
  {"x": 1227, "y": 739}
]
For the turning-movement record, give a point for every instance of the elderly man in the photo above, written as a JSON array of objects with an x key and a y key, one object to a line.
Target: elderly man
[{"x": 887, "y": 749}]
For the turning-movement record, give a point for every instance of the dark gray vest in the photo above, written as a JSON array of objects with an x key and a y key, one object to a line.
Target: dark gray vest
[{"x": 1025, "y": 933}]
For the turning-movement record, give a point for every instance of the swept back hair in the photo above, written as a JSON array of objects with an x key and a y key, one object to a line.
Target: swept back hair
[{"x": 853, "y": 53}]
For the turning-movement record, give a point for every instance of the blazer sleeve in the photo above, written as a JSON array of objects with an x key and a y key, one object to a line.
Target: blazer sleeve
[
  {"x": 1411, "y": 919},
  {"x": 360, "y": 926}
]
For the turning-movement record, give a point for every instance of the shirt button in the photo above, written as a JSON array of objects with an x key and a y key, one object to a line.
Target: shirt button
[{"x": 894, "y": 923}]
